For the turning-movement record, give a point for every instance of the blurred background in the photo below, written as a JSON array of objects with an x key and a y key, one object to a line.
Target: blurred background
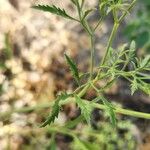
[{"x": 33, "y": 71}]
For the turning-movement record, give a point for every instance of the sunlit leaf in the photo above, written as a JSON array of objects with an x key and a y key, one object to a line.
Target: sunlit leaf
[{"x": 145, "y": 61}]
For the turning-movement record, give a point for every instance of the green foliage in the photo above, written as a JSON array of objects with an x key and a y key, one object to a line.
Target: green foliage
[
  {"x": 145, "y": 62},
  {"x": 85, "y": 108},
  {"x": 138, "y": 27},
  {"x": 79, "y": 144},
  {"x": 132, "y": 50},
  {"x": 110, "y": 109},
  {"x": 74, "y": 2},
  {"x": 54, "y": 10},
  {"x": 53, "y": 114},
  {"x": 55, "y": 109},
  {"x": 105, "y": 137},
  {"x": 87, "y": 12},
  {"x": 116, "y": 63},
  {"x": 73, "y": 68},
  {"x": 107, "y": 6},
  {"x": 112, "y": 66}
]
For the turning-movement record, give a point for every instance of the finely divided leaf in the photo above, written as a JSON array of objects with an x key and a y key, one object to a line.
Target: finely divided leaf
[
  {"x": 85, "y": 108},
  {"x": 145, "y": 87},
  {"x": 53, "y": 114},
  {"x": 145, "y": 62},
  {"x": 110, "y": 110},
  {"x": 73, "y": 68},
  {"x": 54, "y": 10},
  {"x": 132, "y": 49},
  {"x": 134, "y": 86},
  {"x": 55, "y": 109}
]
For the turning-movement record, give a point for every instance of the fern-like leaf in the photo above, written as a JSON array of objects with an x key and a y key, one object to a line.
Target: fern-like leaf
[
  {"x": 85, "y": 109},
  {"x": 73, "y": 68},
  {"x": 55, "y": 109},
  {"x": 54, "y": 10},
  {"x": 53, "y": 115},
  {"x": 132, "y": 50},
  {"x": 110, "y": 110}
]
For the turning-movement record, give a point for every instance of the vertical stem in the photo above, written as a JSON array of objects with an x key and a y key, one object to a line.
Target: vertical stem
[
  {"x": 92, "y": 57},
  {"x": 114, "y": 30},
  {"x": 129, "y": 8}
]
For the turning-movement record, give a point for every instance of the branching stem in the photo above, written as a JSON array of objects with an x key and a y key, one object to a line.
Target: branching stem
[{"x": 95, "y": 105}]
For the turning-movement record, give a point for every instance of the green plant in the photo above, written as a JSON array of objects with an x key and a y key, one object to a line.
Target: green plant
[
  {"x": 111, "y": 67},
  {"x": 104, "y": 137},
  {"x": 138, "y": 27}
]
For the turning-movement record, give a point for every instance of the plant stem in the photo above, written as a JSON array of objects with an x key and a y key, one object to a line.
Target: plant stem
[
  {"x": 125, "y": 111},
  {"x": 6, "y": 114},
  {"x": 129, "y": 8},
  {"x": 114, "y": 30},
  {"x": 95, "y": 105},
  {"x": 92, "y": 57}
]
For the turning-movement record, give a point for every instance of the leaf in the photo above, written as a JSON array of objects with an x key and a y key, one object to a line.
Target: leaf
[
  {"x": 145, "y": 87},
  {"x": 54, "y": 10},
  {"x": 78, "y": 144},
  {"x": 73, "y": 123},
  {"x": 53, "y": 115},
  {"x": 103, "y": 7},
  {"x": 132, "y": 49},
  {"x": 74, "y": 2},
  {"x": 145, "y": 61},
  {"x": 55, "y": 109},
  {"x": 87, "y": 13},
  {"x": 85, "y": 108},
  {"x": 73, "y": 68},
  {"x": 134, "y": 86},
  {"x": 133, "y": 46},
  {"x": 110, "y": 110},
  {"x": 91, "y": 146}
]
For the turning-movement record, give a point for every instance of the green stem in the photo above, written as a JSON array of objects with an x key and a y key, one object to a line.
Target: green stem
[
  {"x": 129, "y": 8},
  {"x": 114, "y": 30},
  {"x": 84, "y": 90},
  {"x": 125, "y": 111},
  {"x": 92, "y": 57},
  {"x": 95, "y": 105},
  {"x": 5, "y": 115}
]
